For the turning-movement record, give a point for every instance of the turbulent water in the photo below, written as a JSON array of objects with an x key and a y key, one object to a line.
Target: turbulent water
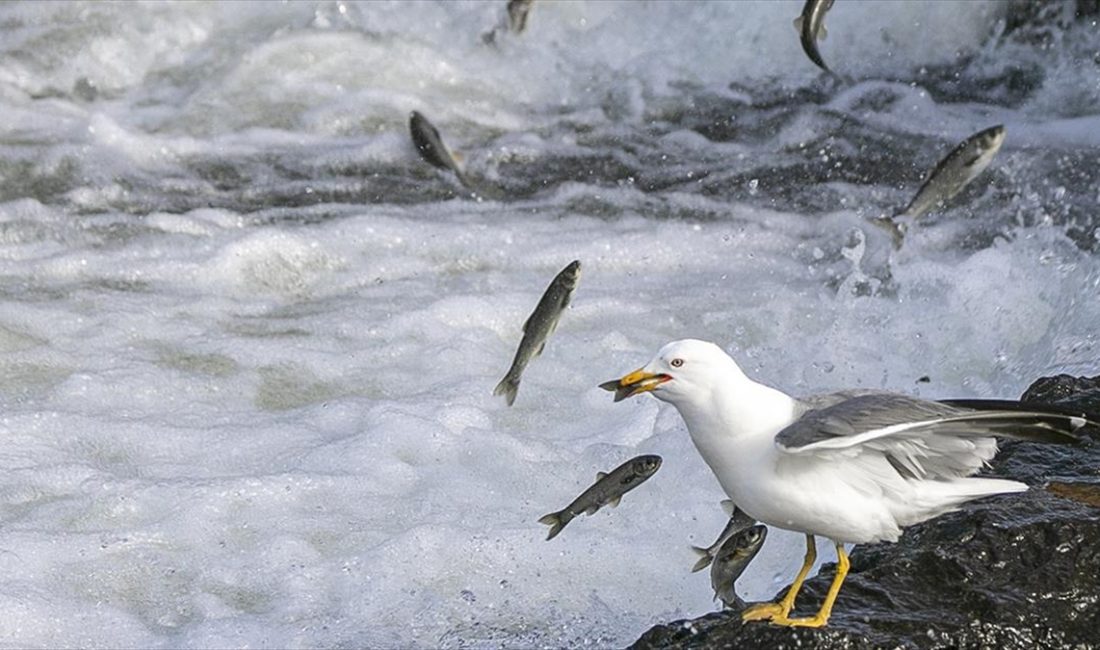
[{"x": 249, "y": 339}]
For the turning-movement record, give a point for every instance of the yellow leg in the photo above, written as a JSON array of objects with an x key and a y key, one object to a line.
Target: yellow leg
[
  {"x": 772, "y": 611},
  {"x": 822, "y": 616}
]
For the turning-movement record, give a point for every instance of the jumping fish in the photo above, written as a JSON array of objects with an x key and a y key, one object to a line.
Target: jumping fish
[
  {"x": 963, "y": 164},
  {"x": 730, "y": 562},
  {"x": 607, "y": 490},
  {"x": 430, "y": 146},
  {"x": 517, "y": 14},
  {"x": 738, "y": 521},
  {"x": 515, "y": 20},
  {"x": 811, "y": 28},
  {"x": 539, "y": 326}
]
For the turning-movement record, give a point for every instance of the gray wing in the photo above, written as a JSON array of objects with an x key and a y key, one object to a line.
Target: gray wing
[
  {"x": 920, "y": 438},
  {"x": 815, "y": 402}
]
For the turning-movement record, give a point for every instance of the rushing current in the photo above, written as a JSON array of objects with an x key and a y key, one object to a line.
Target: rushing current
[{"x": 248, "y": 338}]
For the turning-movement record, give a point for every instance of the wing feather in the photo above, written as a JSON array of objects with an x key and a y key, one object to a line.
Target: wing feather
[{"x": 920, "y": 438}]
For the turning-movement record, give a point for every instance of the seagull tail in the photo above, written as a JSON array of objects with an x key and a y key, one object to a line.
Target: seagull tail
[
  {"x": 934, "y": 498},
  {"x": 556, "y": 521},
  {"x": 508, "y": 387},
  {"x": 946, "y": 496},
  {"x": 970, "y": 488}
]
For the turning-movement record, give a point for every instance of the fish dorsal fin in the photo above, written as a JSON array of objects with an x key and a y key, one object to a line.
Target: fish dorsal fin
[
  {"x": 527, "y": 323},
  {"x": 614, "y": 502},
  {"x": 600, "y": 475},
  {"x": 798, "y": 24}
]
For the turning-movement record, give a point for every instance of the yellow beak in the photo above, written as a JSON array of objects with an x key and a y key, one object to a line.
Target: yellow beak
[{"x": 639, "y": 381}]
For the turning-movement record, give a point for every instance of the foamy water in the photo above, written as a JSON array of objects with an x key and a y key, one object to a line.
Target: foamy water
[{"x": 248, "y": 339}]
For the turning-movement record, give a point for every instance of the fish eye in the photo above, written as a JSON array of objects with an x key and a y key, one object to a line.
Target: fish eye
[{"x": 677, "y": 362}]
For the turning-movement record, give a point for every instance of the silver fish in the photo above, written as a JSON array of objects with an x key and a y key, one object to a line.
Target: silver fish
[
  {"x": 738, "y": 521},
  {"x": 539, "y": 326},
  {"x": 965, "y": 162},
  {"x": 517, "y": 14},
  {"x": 730, "y": 562},
  {"x": 515, "y": 21},
  {"x": 430, "y": 146},
  {"x": 608, "y": 490},
  {"x": 811, "y": 28},
  {"x": 624, "y": 389}
]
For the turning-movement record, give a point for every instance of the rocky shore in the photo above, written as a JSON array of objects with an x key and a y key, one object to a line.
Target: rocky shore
[{"x": 1017, "y": 571}]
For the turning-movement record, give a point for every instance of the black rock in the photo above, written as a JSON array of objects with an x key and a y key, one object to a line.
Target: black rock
[
  {"x": 1016, "y": 571},
  {"x": 1065, "y": 390}
]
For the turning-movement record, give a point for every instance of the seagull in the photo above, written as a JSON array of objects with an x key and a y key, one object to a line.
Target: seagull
[{"x": 855, "y": 467}]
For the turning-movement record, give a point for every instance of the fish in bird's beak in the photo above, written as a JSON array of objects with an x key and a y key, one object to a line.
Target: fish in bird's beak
[{"x": 639, "y": 381}]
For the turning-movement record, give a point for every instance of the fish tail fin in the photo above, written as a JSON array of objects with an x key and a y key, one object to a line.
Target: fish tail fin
[
  {"x": 556, "y": 521},
  {"x": 894, "y": 228},
  {"x": 704, "y": 559},
  {"x": 508, "y": 387},
  {"x": 463, "y": 179}
]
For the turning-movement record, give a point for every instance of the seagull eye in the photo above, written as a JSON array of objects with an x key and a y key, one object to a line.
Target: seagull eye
[{"x": 676, "y": 363}]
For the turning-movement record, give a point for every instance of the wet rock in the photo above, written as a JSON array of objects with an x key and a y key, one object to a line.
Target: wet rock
[
  {"x": 1027, "y": 15},
  {"x": 1066, "y": 390},
  {"x": 1011, "y": 572}
]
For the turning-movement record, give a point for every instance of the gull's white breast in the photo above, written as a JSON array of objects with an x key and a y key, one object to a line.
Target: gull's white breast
[{"x": 845, "y": 497}]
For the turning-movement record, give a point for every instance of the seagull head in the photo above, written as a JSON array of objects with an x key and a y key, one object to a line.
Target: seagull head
[{"x": 682, "y": 370}]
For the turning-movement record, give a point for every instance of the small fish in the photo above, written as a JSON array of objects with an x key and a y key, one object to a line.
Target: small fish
[
  {"x": 730, "y": 562},
  {"x": 608, "y": 490},
  {"x": 539, "y": 326},
  {"x": 811, "y": 28},
  {"x": 738, "y": 521},
  {"x": 622, "y": 392},
  {"x": 517, "y": 14},
  {"x": 515, "y": 21},
  {"x": 430, "y": 146},
  {"x": 956, "y": 170},
  {"x": 965, "y": 162}
]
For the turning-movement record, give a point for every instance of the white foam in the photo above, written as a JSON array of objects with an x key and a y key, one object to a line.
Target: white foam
[{"x": 276, "y": 428}]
